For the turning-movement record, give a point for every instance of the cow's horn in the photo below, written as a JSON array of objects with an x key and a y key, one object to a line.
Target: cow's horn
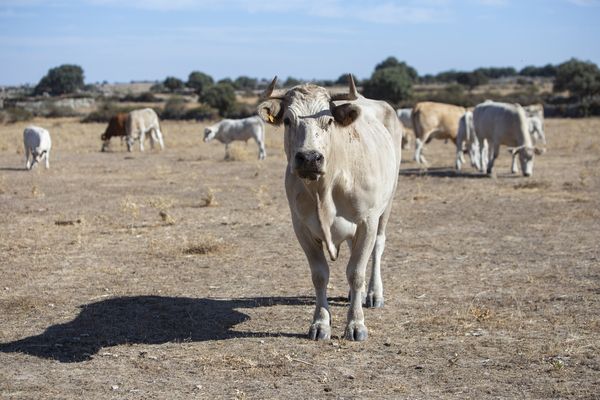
[
  {"x": 270, "y": 92},
  {"x": 352, "y": 92}
]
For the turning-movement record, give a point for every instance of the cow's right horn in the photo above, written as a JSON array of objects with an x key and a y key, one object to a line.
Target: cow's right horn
[
  {"x": 352, "y": 92},
  {"x": 271, "y": 93}
]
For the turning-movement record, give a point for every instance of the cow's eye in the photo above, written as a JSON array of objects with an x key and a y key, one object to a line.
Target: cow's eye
[
  {"x": 286, "y": 121},
  {"x": 330, "y": 122}
]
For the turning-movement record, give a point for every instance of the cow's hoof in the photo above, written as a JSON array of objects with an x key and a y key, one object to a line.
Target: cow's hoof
[
  {"x": 319, "y": 331},
  {"x": 356, "y": 332},
  {"x": 374, "y": 301}
]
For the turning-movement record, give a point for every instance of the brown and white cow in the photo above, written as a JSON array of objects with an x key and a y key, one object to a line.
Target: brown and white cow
[
  {"x": 343, "y": 154},
  {"x": 115, "y": 128},
  {"x": 434, "y": 121},
  {"x": 141, "y": 122}
]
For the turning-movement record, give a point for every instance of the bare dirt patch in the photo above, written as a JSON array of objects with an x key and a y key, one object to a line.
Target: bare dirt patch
[{"x": 177, "y": 275}]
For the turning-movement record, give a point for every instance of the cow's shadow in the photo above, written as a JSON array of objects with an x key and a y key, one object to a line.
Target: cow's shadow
[
  {"x": 149, "y": 320},
  {"x": 443, "y": 172}
]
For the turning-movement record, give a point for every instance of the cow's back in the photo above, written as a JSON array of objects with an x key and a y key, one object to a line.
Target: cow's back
[
  {"x": 35, "y": 136},
  {"x": 501, "y": 123},
  {"x": 240, "y": 129}
]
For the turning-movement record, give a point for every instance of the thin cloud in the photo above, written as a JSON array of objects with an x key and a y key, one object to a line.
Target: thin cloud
[{"x": 584, "y": 3}]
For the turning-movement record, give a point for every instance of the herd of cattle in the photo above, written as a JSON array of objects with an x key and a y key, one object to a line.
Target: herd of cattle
[{"x": 343, "y": 159}]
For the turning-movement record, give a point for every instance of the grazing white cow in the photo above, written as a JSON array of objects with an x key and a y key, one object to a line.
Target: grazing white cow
[
  {"x": 466, "y": 140},
  {"x": 228, "y": 130},
  {"x": 343, "y": 154},
  {"x": 434, "y": 120},
  {"x": 37, "y": 143},
  {"x": 141, "y": 122},
  {"x": 536, "y": 130},
  {"x": 405, "y": 116},
  {"x": 504, "y": 124}
]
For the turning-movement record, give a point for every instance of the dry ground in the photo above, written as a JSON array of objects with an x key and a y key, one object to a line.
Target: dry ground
[{"x": 176, "y": 275}]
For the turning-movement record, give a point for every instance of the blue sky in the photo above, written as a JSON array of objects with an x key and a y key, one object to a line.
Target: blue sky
[{"x": 124, "y": 40}]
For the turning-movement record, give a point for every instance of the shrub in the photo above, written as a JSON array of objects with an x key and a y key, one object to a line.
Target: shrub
[
  {"x": 220, "y": 96},
  {"x": 199, "y": 81},
  {"x": 581, "y": 78},
  {"x": 173, "y": 84},
  {"x": 202, "y": 112},
  {"x": 145, "y": 97},
  {"x": 64, "y": 79},
  {"x": 15, "y": 114},
  {"x": 391, "y": 84},
  {"x": 105, "y": 112}
]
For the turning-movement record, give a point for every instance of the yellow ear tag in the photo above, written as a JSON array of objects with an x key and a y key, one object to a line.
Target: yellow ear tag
[{"x": 270, "y": 118}]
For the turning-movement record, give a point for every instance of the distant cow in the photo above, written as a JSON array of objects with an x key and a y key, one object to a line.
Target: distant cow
[
  {"x": 466, "y": 141},
  {"x": 115, "y": 128},
  {"x": 37, "y": 143},
  {"x": 504, "y": 124},
  {"x": 434, "y": 120},
  {"x": 404, "y": 115},
  {"x": 229, "y": 130},
  {"x": 343, "y": 157},
  {"x": 141, "y": 122}
]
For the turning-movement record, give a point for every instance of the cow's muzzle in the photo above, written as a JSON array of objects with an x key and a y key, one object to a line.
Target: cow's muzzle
[{"x": 309, "y": 164}]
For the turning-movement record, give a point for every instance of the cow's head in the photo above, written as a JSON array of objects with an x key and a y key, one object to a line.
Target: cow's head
[
  {"x": 37, "y": 155},
  {"x": 526, "y": 155},
  {"x": 310, "y": 118},
  {"x": 209, "y": 133}
]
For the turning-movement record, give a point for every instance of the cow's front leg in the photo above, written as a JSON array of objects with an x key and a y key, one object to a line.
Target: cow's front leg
[
  {"x": 514, "y": 168},
  {"x": 27, "y": 154},
  {"x": 227, "y": 151},
  {"x": 142, "y": 138},
  {"x": 320, "y": 328},
  {"x": 364, "y": 242},
  {"x": 375, "y": 294}
]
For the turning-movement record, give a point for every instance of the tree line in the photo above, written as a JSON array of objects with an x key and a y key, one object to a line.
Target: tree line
[{"x": 392, "y": 80}]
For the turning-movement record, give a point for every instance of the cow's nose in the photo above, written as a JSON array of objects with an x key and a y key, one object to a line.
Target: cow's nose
[{"x": 309, "y": 159}]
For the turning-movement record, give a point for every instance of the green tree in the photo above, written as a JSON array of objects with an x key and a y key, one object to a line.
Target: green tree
[
  {"x": 220, "y": 96},
  {"x": 581, "y": 78},
  {"x": 199, "y": 81},
  {"x": 392, "y": 62},
  {"x": 173, "y": 84},
  {"x": 391, "y": 84},
  {"x": 67, "y": 78},
  {"x": 245, "y": 83}
]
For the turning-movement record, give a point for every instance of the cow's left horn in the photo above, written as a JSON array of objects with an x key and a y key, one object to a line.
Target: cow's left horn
[{"x": 352, "y": 92}]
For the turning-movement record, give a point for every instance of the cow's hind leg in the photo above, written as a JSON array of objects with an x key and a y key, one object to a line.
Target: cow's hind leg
[
  {"x": 375, "y": 293},
  {"x": 320, "y": 328}
]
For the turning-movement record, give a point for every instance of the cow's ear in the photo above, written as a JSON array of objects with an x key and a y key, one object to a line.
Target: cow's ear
[
  {"x": 345, "y": 114},
  {"x": 271, "y": 111}
]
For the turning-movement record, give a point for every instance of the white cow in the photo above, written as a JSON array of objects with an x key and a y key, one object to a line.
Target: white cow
[
  {"x": 536, "y": 130},
  {"x": 504, "y": 124},
  {"x": 466, "y": 140},
  {"x": 141, "y": 122},
  {"x": 343, "y": 163},
  {"x": 228, "y": 130},
  {"x": 404, "y": 115},
  {"x": 37, "y": 143}
]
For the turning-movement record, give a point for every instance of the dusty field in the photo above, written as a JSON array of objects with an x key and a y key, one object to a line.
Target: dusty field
[{"x": 176, "y": 275}]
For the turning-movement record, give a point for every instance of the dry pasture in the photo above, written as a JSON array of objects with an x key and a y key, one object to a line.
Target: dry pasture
[{"x": 176, "y": 275}]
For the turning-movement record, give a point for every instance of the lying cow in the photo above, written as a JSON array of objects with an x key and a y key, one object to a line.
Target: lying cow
[
  {"x": 141, "y": 122},
  {"x": 504, "y": 124},
  {"x": 115, "y": 128},
  {"x": 229, "y": 130},
  {"x": 466, "y": 141},
  {"x": 434, "y": 121},
  {"x": 343, "y": 154},
  {"x": 37, "y": 144}
]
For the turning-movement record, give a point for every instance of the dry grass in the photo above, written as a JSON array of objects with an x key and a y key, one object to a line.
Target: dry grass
[{"x": 491, "y": 285}]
